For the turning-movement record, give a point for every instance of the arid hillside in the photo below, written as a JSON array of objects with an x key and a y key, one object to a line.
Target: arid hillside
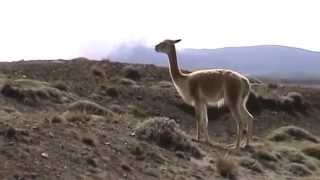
[{"x": 87, "y": 120}]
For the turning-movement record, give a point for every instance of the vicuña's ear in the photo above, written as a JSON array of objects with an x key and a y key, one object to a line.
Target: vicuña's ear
[{"x": 176, "y": 41}]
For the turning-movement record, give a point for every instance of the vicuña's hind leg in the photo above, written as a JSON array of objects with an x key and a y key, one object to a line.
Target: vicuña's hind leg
[
  {"x": 199, "y": 112},
  {"x": 198, "y": 119},
  {"x": 239, "y": 126},
  {"x": 249, "y": 125}
]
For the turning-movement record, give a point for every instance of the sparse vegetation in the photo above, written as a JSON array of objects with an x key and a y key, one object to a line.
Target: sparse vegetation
[
  {"x": 113, "y": 92},
  {"x": 227, "y": 168},
  {"x": 298, "y": 169},
  {"x": 131, "y": 72},
  {"x": 273, "y": 85},
  {"x": 136, "y": 111},
  {"x": 312, "y": 150},
  {"x": 98, "y": 72},
  {"x": 60, "y": 85},
  {"x": 127, "y": 82},
  {"x": 32, "y": 92},
  {"x": 76, "y": 117},
  {"x": 291, "y": 103},
  {"x": 252, "y": 164},
  {"x": 262, "y": 155},
  {"x": 296, "y": 156},
  {"x": 292, "y": 133},
  {"x": 89, "y": 107},
  {"x": 88, "y": 141},
  {"x": 57, "y": 119},
  {"x": 103, "y": 129},
  {"x": 166, "y": 133}
]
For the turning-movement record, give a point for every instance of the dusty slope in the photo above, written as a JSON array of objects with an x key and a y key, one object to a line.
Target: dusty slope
[{"x": 77, "y": 120}]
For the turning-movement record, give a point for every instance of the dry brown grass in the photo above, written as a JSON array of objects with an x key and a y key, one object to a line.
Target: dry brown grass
[
  {"x": 252, "y": 164},
  {"x": 57, "y": 119},
  {"x": 299, "y": 170},
  {"x": 60, "y": 85},
  {"x": 296, "y": 156},
  {"x": 289, "y": 133},
  {"x": 227, "y": 167},
  {"x": 312, "y": 150},
  {"x": 76, "y": 117},
  {"x": 264, "y": 155},
  {"x": 131, "y": 72},
  {"x": 166, "y": 133},
  {"x": 88, "y": 140},
  {"x": 98, "y": 72},
  {"x": 136, "y": 111},
  {"x": 127, "y": 82},
  {"x": 89, "y": 107},
  {"x": 32, "y": 92}
]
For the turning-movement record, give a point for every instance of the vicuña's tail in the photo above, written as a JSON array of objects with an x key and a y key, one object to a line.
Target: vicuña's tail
[{"x": 246, "y": 90}]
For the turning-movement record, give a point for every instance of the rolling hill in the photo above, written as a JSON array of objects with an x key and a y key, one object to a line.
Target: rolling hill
[{"x": 270, "y": 61}]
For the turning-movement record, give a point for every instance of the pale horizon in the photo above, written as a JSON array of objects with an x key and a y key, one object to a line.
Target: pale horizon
[{"x": 43, "y": 29}]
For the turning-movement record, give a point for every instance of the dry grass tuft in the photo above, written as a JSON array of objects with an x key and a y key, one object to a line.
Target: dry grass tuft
[
  {"x": 61, "y": 86},
  {"x": 298, "y": 169},
  {"x": 297, "y": 98},
  {"x": 131, "y": 72},
  {"x": 136, "y": 111},
  {"x": 273, "y": 85},
  {"x": 88, "y": 141},
  {"x": 288, "y": 133},
  {"x": 57, "y": 119},
  {"x": 264, "y": 155},
  {"x": 166, "y": 133},
  {"x": 296, "y": 156},
  {"x": 89, "y": 107},
  {"x": 127, "y": 82},
  {"x": 98, "y": 72},
  {"x": 312, "y": 150},
  {"x": 291, "y": 103},
  {"x": 31, "y": 92},
  {"x": 227, "y": 168},
  {"x": 252, "y": 164},
  {"x": 76, "y": 117},
  {"x": 112, "y": 91}
]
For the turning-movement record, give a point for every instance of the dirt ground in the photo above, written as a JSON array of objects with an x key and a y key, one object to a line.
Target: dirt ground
[{"x": 78, "y": 119}]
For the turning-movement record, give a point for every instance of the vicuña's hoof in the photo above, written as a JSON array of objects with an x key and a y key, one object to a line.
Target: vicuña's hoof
[
  {"x": 195, "y": 140},
  {"x": 232, "y": 147},
  {"x": 210, "y": 143},
  {"x": 244, "y": 144}
]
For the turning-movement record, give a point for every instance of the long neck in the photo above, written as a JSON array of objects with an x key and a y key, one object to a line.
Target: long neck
[{"x": 175, "y": 72}]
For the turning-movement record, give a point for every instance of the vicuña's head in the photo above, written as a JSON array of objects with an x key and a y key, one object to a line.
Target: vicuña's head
[{"x": 166, "y": 46}]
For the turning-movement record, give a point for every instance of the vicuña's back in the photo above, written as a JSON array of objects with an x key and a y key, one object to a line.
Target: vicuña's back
[
  {"x": 211, "y": 87},
  {"x": 214, "y": 85}
]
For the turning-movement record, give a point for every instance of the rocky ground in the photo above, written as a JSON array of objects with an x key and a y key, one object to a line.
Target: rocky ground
[{"x": 82, "y": 119}]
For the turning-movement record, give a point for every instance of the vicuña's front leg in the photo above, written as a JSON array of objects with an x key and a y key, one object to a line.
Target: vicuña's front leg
[
  {"x": 198, "y": 117},
  {"x": 205, "y": 123},
  {"x": 202, "y": 118},
  {"x": 197, "y": 128}
]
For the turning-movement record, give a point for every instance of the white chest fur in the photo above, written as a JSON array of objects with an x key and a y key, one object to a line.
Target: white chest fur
[{"x": 184, "y": 91}]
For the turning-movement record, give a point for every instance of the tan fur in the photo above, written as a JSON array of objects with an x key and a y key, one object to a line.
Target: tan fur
[{"x": 211, "y": 87}]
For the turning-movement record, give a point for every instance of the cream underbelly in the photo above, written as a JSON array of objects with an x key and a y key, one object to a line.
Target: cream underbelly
[
  {"x": 214, "y": 102},
  {"x": 218, "y": 103}
]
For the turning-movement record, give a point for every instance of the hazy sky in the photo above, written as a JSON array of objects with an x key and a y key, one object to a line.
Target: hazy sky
[{"x": 42, "y": 29}]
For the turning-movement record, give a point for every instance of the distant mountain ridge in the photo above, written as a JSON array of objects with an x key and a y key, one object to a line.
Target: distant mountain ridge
[{"x": 272, "y": 61}]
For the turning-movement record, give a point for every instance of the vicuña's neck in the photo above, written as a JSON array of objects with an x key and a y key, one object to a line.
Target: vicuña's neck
[{"x": 175, "y": 72}]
